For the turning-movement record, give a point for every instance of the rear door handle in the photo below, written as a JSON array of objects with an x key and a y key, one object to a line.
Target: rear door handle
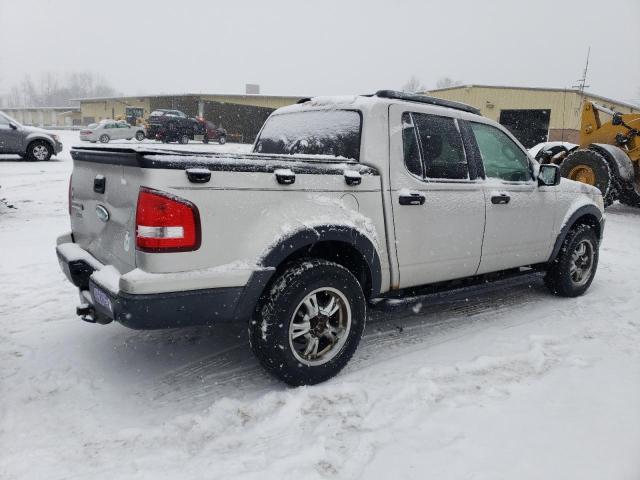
[
  {"x": 500, "y": 198},
  {"x": 412, "y": 198}
]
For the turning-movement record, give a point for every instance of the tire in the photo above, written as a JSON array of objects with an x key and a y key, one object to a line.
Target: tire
[
  {"x": 280, "y": 316},
  {"x": 139, "y": 135},
  {"x": 630, "y": 193},
  {"x": 561, "y": 279},
  {"x": 104, "y": 138},
  {"x": 39, "y": 151},
  {"x": 205, "y": 139},
  {"x": 222, "y": 140},
  {"x": 588, "y": 166},
  {"x": 184, "y": 139}
]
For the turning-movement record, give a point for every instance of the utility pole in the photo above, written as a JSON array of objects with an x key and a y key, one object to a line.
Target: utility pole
[{"x": 582, "y": 82}]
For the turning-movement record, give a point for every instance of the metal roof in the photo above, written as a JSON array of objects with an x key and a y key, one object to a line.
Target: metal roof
[
  {"x": 64, "y": 109},
  {"x": 165, "y": 95},
  {"x": 541, "y": 89}
]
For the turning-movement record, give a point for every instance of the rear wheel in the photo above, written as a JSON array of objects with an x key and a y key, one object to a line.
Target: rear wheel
[
  {"x": 104, "y": 138},
  {"x": 205, "y": 139},
  {"x": 140, "y": 135},
  {"x": 222, "y": 140},
  {"x": 588, "y": 166},
  {"x": 572, "y": 272},
  {"x": 309, "y": 325},
  {"x": 39, "y": 151}
]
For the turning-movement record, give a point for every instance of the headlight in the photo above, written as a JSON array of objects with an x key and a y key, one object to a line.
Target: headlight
[{"x": 56, "y": 138}]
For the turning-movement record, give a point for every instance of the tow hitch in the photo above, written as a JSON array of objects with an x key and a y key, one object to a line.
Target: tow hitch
[{"x": 87, "y": 313}]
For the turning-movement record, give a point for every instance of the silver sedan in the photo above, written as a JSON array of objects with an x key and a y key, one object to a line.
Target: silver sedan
[{"x": 108, "y": 130}]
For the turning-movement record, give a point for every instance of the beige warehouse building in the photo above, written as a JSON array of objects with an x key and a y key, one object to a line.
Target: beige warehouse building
[
  {"x": 533, "y": 115},
  {"x": 242, "y": 115},
  {"x": 46, "y": 116}
]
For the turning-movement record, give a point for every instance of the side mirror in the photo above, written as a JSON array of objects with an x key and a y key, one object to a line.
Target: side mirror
[
  {"x": 549, "y": 175},
  {"x": 13, "y": 125}
]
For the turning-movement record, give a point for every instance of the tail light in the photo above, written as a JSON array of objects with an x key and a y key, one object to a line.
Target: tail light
[{"x": 166, "y": 223}]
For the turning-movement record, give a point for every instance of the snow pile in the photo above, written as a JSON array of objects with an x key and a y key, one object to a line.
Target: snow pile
[{"x": 506, "y": 382}]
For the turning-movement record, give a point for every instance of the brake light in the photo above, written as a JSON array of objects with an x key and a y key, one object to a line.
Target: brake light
[{"x": 166, "y": 223}]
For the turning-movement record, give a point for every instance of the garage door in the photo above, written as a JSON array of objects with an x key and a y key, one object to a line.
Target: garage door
[{"x": 529, "y": 126}]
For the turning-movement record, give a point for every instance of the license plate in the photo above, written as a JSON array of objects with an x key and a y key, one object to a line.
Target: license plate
[{"x": 102, "y": 299}]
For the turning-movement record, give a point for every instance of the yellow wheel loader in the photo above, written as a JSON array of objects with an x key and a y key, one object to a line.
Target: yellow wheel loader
[{"x": 607, "y": 157}]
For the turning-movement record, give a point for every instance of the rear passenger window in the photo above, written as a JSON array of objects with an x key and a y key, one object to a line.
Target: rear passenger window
[
  {"x": 433, "y": 147},
  {"x": 501, "y": 157},
  {"x": 410, "y": 146}
]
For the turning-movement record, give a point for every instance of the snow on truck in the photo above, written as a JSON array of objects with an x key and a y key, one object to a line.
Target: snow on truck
[{"x": 342, "y": 201}]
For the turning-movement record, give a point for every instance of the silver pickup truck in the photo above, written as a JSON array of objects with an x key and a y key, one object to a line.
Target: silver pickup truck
[{"x": 342, "y": 201}]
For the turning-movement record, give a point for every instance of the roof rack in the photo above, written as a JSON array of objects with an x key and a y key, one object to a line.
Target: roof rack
[{"x": 412, "y": 97}]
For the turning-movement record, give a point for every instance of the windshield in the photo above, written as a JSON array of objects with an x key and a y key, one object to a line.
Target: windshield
[
  {"x": 157, "y": 113},
  {"x": 319, "y": 132},
  {"x": 10, "y": 119}
]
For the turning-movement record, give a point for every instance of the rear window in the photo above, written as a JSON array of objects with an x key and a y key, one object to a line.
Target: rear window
[
  {"x": 323, "y": 132},
  {"x": 156, "y": 113}
]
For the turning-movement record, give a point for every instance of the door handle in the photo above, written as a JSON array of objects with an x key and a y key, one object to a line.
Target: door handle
[
  {"x": 412, "y": 198},
  {"x": 500, "y": 198}
]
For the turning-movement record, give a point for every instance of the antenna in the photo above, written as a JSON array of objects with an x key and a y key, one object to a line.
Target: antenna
[{"x": 581, "y": 85}]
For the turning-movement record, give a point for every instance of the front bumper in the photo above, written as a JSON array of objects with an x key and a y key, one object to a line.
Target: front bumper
[
  {"x": 58, "y": 146},
  {"x": 101, "y": 304}
]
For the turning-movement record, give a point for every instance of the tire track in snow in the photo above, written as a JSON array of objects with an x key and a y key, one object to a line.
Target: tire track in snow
[{"x": 392, "y": 330}]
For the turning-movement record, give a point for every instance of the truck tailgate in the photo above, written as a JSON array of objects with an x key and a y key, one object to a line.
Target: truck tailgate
[{"x": 103, "y": 209}]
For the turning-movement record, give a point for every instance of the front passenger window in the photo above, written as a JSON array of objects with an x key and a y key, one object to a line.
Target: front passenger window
[{"x": 501, "y": 157}]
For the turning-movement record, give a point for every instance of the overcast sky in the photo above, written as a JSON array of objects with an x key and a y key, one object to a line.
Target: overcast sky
[{"x": 323, "y": 47}]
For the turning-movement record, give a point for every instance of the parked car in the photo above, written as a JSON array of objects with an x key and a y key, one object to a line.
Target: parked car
[
  {"x": 344, "y": 200},
  {"x": 108, "y": 130},
  {"x": 172, "y": 126},
  {"x": 212, "y": 132},
  {"x": 31, "y": 143}
]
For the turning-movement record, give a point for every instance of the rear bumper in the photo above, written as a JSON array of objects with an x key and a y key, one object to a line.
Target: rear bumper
[{"x": 159, "y": 310}]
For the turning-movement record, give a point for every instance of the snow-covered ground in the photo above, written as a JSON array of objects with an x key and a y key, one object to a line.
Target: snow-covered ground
[{"x": 507, "y": 382}]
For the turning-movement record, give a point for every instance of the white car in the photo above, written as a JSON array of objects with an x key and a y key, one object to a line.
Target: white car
[
  {"x": 108, "y": 130},
  {"x": 343, "y": 200}
]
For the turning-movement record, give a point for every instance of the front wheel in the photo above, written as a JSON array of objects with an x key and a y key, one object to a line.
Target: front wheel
[
  {"x": 222, "y": 140},
  {"x": 39, "y": 151},
  {"x": 139, "y": 135},
  {"x": 572, "y": 272},
  {"x": 184, "y": 139},
  {"x": 309, "y": 324}
]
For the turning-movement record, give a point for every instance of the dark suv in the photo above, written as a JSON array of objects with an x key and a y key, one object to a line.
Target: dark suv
[
  {"x": 172, "y": 126},
  {"x": 31, "y": 143}
]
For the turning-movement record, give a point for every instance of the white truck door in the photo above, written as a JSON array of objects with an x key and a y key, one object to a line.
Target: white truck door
[
  {"x": 438, "y": 205},
  {"x": 520, "y": 214}
]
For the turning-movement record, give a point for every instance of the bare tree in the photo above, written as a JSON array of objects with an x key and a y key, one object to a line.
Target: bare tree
[
  {"x": 53, "y": 91},
  {"x": 446, "y": 82},
  {"x": 413, "y": 85}
]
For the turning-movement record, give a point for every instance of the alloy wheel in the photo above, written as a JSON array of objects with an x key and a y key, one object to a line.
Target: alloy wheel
[{"x": 320, "y": 326}]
